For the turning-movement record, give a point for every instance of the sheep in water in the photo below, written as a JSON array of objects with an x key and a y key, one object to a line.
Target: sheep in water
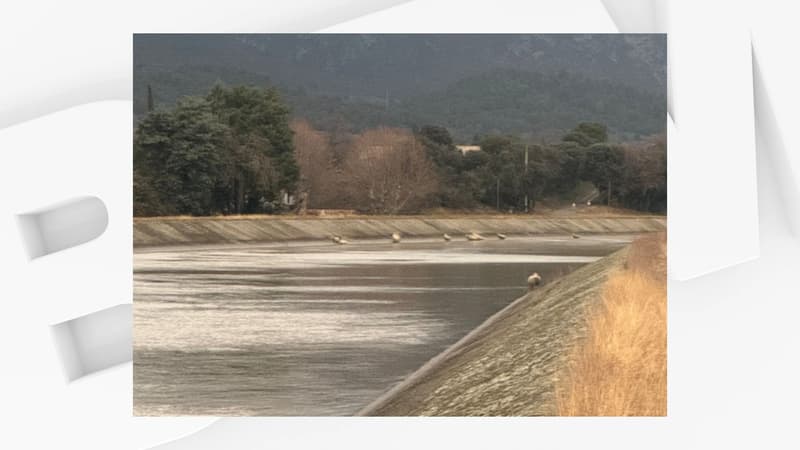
[
  {"x": 534, "y": 280},
  {"x": 395, "y": 237},
  {"x": 446, "y": 237},
  {"x": 339, "y": 240},
  {"x": 474, "y": 237},
  {"x": 501, "y": 236}
]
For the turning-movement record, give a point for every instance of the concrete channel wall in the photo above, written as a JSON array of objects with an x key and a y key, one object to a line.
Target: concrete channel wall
[
  {"x": 510, "y": 364},
  {"x": 151, "y": 232}
]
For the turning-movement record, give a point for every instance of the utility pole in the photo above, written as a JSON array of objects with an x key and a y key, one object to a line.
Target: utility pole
[
  {"x": 526, "y": 178},
  {"x": 498, "y": 193},
  {"x": 526, "y": 158},
  {"x": 150, "y": 103}
]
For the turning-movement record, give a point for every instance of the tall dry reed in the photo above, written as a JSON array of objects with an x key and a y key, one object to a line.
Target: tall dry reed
[{"x": 620, "y": 369}]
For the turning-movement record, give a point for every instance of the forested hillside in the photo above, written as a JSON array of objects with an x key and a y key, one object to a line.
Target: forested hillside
[{"x": 534, "y": 86}]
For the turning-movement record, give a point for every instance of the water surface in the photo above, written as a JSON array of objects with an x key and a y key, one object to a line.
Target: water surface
[{"x": 315, "y": 328}]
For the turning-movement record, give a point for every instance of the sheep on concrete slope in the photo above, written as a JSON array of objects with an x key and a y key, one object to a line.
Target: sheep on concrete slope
[{"x": 534, "y": 280}]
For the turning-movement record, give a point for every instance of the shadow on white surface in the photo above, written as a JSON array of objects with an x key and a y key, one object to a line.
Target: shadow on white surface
[
  {"x": 770, "y": 145},
  {"x": 95, "y": 342},
  {"x": 63, "y": 225}
]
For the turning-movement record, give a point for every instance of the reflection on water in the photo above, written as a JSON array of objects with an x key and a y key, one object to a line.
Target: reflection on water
[{"x": 314, "y": 328}]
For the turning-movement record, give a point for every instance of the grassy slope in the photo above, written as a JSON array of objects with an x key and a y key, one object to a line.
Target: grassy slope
[{"x": 621, "y": 367}]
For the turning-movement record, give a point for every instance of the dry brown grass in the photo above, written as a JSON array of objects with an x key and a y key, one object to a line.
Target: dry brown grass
[
  {"x": 601, "y": 212},
  {"x": 621, "y": 367},
  {"x": 608, "y": 211}
]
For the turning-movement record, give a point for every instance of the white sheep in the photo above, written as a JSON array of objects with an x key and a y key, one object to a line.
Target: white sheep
[{"x": 534, "y": 280}]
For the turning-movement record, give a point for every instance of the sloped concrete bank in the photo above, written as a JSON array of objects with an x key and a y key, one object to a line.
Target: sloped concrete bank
[
  {"x": 208, "y": 230},
  {"x": 509, "y": 365}
]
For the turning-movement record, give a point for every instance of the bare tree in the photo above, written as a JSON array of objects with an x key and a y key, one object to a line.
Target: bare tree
[
  {"x": 388, "y": 171},
  {"x": 645, "y": 171},
  {"x": 319, "y": 182}
]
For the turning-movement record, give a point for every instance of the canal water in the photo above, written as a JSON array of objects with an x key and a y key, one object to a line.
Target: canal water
[{"x": 316, "y": 328}]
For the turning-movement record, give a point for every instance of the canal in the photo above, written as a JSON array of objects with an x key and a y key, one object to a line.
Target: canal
[{"x": 312, "y": 328}]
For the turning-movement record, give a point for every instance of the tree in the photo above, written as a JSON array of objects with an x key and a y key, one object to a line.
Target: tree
[
  {"x": 179, "y": 153},
  {"x": 319, "y": 184},
  {"x": 388, "y": 171},
  {"x": 505, "y": 184},
  {"x": 248, "y": 180},
  {"x": 603, "y": 163},
  {"x": 587, "y": 133},
  {"x": 259, "y": 126},
  {"x": 146, "y": 200},
  {"x": 440, "y": 147},
  {"x": 543, "y": 173},
  {"x": 644, "y": 178},
  {"x": 231, "y": 151},
  {"x": 457, "y": 187}
]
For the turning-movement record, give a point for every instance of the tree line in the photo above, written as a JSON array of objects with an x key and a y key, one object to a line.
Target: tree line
[
  {"x": 237, "y": 151},
  {"x": 372, "y": 170},
  {"x": 230, "y": 152}
]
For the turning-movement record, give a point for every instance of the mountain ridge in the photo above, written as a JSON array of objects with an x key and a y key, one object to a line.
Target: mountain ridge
[{"x": 363, "y": 75}]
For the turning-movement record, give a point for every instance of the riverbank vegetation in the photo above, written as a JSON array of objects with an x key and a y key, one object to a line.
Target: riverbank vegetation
[
  {"x": 620, "y": 369},
  {"x": 238, "y": 150}
]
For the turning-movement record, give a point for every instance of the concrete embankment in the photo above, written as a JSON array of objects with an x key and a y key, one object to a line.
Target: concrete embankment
[
  {"x": 509, "y": 365},
  {"x": 209, "y": 230}
]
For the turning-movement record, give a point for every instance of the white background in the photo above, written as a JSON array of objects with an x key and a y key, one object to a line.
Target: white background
[{"x": 732, "y": 332}]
